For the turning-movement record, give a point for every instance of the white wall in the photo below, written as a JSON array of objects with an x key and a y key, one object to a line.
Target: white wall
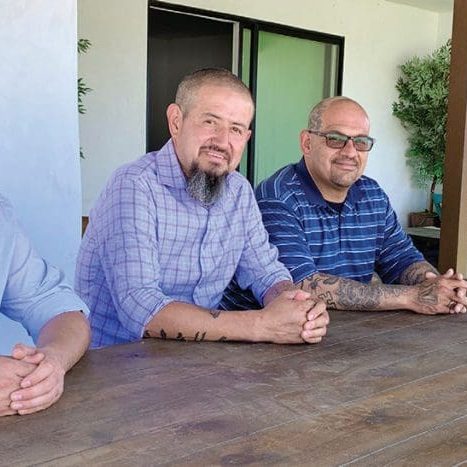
[
  {"x": 444, "y": 27},
  {"x": 379, "y": 36},
  {"x": 113, "y": 130},
  {"x": 39, "y": 130}
]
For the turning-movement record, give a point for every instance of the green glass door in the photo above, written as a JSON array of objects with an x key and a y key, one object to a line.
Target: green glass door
[{"x": 293, "y": 74}]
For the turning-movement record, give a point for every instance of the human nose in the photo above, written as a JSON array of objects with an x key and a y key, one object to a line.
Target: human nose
[
  {"x": 221, "y": 135},
  {"x": 349, "y": 149}
]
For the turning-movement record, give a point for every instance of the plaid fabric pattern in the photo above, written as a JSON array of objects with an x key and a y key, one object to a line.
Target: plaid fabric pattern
[{"x": 149, "y": 243}]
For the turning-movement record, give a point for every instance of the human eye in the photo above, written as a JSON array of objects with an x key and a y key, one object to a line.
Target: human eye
[
  {"x": 237, "y": 130},
  {"x": 336, "y": 137},
  {"x": 363, "y": 143}
]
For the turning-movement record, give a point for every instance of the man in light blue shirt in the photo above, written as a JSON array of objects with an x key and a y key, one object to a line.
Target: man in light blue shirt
[
  {"x": 33, "y": 293},
  {"x": 171, "y": 230}
]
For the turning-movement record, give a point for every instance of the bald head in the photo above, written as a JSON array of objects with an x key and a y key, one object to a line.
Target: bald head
[
  {"x": 315, "y": 119},
  {"x": 192, "y": 83}
]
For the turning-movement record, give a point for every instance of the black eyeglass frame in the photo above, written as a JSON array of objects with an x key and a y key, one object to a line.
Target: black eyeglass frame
[{"x": 325, "y": 135}]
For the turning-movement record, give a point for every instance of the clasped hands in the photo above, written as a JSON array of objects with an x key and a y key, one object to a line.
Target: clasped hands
[
  {"x": 294, "y": 318},
  {"x": 30, "y": 380},
  {"x": 447, "y": 293}
]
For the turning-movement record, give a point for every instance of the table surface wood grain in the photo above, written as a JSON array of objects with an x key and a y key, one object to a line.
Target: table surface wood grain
[{"x": 383, "y": 389}]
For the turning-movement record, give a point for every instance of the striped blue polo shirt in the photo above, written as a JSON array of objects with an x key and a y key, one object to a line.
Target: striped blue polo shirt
[{"x": 363, "y": 237}]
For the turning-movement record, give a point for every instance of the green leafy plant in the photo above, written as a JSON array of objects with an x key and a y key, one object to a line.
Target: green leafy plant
[
  {"x": 83, "y": 46},
  {"x": 422, "y": 110}
]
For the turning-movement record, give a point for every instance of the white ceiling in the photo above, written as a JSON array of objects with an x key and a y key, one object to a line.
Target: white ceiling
[{"x": 439, "y": 6}]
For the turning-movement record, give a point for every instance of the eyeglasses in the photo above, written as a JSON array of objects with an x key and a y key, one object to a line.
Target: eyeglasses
[{"x": 336, "y": 140}]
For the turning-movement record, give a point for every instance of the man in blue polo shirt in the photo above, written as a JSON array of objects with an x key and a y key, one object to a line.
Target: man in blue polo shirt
[{"x": 335, "y": 227}]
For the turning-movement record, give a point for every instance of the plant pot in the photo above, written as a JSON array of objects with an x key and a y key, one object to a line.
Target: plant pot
[
  {"x": 423, "y": 219},
  {"x": 437, "y": 203}
]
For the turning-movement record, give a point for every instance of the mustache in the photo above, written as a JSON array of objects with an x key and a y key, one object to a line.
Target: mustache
[
  {"x": 345, "y": 159},
  {"x": 214, "y": 147}
]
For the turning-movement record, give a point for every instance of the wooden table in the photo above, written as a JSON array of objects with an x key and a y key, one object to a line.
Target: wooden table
[{"x": 384, "y": 388}]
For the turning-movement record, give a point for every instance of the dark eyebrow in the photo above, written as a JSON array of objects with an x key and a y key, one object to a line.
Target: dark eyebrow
[{"x": 210, "y": 114}]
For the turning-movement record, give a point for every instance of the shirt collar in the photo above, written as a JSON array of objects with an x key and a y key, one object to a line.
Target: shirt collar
[
  {"x": 169, "y": 170},
  {"x": 312, "y": 192},
  {"x": 168, "y": 167}
]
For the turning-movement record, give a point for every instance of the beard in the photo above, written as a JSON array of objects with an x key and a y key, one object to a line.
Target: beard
[{"x": 205, "y": 187}]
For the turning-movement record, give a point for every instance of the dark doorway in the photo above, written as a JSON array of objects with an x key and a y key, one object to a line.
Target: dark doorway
[{"x": 177, "y": 45}]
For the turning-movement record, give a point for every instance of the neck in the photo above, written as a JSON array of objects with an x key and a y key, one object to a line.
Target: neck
[{"x": 331, "y": 194}]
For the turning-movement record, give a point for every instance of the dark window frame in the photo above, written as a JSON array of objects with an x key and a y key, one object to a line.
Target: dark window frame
[{"x": 255, "y": 26}]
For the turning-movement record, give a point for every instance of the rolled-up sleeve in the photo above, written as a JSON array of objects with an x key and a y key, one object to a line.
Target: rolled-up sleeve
[{"x": 35, "y": 292}]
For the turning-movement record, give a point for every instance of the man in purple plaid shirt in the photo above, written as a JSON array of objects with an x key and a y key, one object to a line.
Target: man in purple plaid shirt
[{"x": 171, "y": 230}]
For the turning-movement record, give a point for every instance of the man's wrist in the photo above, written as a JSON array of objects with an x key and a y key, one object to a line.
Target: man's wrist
[{"x": 56, "y": 357}]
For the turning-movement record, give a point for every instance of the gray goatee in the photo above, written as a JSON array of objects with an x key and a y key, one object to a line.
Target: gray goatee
[{"x": 204, "y": 187}]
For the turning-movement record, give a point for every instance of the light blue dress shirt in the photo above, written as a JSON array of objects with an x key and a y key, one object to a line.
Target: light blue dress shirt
[{"x": 31, "y": 291}]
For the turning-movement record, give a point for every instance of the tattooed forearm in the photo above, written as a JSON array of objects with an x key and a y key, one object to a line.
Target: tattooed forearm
[
  {"x": 415, "y": 273},
  {"x": 346, "y": 294},
  {"x": 198, "y": 338},
  {"x": 215, "y": 313},
  {"x": 148, "y": 333},
  {"x": 180, "y": 337},
  {"x": 428, "y": 294},
  {"x": 328, "y": 299}
]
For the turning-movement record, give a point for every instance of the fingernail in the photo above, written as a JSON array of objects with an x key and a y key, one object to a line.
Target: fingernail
[
  {"x": 26, "y": 383},
  {"x": 16, "y": 397},
  {"x": 16, "y": 405}
]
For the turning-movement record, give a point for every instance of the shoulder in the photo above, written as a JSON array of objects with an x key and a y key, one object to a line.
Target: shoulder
[
  {"x": 238, "y": 187},
  {"x": 371, "y": 189},
  {"x": 140, "y": 169},
  {"x": 279, "y": 186}
]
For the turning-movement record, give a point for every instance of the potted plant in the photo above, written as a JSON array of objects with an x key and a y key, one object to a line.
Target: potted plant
[{"x": 422, "y": 110}]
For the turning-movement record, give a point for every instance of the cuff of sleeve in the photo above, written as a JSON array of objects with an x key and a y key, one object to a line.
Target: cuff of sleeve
[
  {"x": 161, "y": 304},
  {"x": 302, "y": 272},
  {"x": 259, "y": 289},
  {"x": 48, "y": 308}
]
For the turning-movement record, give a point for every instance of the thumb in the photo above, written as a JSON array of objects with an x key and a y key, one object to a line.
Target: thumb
[
  {"x": 22, "y": 350},
  {"x": 301, "y": 295},
  {"x": 27, "y": 354}
]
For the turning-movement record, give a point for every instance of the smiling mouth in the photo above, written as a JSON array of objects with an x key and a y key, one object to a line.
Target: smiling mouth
[
  {"x": 215, "y": 154},
  {"x": 346, "y": 165}
]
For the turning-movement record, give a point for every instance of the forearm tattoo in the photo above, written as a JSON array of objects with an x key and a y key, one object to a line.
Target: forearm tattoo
[
  {"x": 199, "y": 338},
  {"x": 428, "y": 294},
  {"x": 347, "y": 294},
  {"x": 215, "y": 313},
  {"x": 415, "y": 273}
]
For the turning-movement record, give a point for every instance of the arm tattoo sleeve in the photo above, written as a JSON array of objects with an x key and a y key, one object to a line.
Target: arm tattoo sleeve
[
  {"x": 415, "y": 273},
  {"x": 347, "y": 294}
]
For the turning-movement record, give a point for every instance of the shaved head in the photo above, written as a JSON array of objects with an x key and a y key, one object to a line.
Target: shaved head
[{"x": 315, "y": 119}]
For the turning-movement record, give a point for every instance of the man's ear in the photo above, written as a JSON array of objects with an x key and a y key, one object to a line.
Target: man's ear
[
  {"x": 174, "y": 119},
  {"x": 305, "y": 142}
]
